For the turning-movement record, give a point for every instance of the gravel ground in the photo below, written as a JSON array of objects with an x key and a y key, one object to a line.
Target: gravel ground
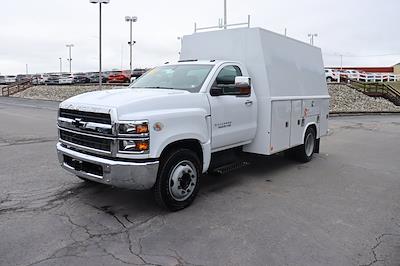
[
  {"x": 344, "y": 98},
  {"x": 58, "y": 93}
]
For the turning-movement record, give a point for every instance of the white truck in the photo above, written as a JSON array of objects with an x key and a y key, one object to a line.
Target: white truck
[{"x": 234, "y": 92}]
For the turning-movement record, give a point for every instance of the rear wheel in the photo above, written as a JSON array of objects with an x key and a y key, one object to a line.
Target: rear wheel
[
  {"x": 305, "y": 152},
  {"x": 329, "y": 79},
  {"x": 178, "y": 180}
]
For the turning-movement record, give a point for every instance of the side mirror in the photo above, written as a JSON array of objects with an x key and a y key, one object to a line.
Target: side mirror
[
  {"x": 216, "y": 91},
  {"x": 242, "y": 87},
  {"x": 243, "y": 84}
]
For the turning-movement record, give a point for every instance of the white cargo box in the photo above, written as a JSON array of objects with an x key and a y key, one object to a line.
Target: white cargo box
[{"x": 287, "y": 77}]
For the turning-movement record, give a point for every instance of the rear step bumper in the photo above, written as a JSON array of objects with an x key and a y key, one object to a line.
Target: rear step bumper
[{"x": 131, "y": 175}]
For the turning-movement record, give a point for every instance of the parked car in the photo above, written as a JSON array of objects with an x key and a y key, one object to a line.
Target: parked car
[
  {"x": 40, "y": 79},
  {"x": 393, "y": 77},
  {"x": 2, "y": 80},
  {"x": 10, "y": 79},
  {"x": 331, "y": 75},
  {"x": 94, "y": 78},
  {"x": 182, "y": 120},
  {"x": 351, "y": 74},
  {"x": 137, "y": 72},
  {"x": 21, "y": 77},
  {"x": 66, "y": 79},
  {"x": 81, "y": 78},
  {"x": 366, "y": 77},
  {"x": 53, "y": 79},
  {"x": 118, "y": 78}
]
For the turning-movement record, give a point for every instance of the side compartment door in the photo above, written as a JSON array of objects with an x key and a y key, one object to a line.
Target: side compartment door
[
  {"x": 296, "y": 130},
  {"x": 280, "y": 126}
]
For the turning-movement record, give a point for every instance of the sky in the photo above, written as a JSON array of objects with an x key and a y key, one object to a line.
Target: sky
[{"x": 36, "y": 32}]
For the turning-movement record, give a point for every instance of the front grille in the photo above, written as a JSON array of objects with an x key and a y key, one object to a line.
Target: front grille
[
  {"x": 86, "y": 116},
  {"x": 87, "y": 141}
]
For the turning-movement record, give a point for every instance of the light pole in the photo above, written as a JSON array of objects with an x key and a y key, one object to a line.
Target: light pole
[
  {"x": 60, "y": 64},
  {"x": 131, "y": 43},
  {"x": 180, "y": 39},
  {"x": 225, "y": 16},
  {"x": 26, "y": 68},
  {"x": 70, "y": 59},
  {"x": 341, "y": 62},
  {"x": 100, "y": 2},
  {"x": 312, "y": 36}
]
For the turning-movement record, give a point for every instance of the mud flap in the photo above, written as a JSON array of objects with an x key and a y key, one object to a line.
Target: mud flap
[{"x": 316, "y": 146}]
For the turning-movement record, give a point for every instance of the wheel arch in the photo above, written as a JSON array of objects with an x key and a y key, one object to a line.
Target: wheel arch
[
  {"x": 190, "y": 143},
  {"x": 313, "y": 125}
]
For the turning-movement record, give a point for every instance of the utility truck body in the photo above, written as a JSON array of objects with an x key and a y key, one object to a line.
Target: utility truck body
[{"x": 246, "y": 91}]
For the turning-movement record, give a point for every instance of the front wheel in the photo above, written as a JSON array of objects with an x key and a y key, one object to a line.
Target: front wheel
[
  {"x": 178, "y": 180},
  {"x": 305, "y": 152}
]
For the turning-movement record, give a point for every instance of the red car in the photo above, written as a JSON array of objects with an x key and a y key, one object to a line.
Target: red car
[{"x": 118, "y": 78}]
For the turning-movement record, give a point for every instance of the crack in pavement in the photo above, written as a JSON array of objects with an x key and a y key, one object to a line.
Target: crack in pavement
[
  {"x": 107, "y": 210},
  {"x": 379, "y": 240},
  {"x": 44, "y": 201},
  {"x": 141, "y": 229}
]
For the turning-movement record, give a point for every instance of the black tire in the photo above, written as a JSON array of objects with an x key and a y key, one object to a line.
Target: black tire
[
  {"x": 328, "y": 79},
  {"x": 304, "y": 152},
  {"x": 164, "y": 186}
]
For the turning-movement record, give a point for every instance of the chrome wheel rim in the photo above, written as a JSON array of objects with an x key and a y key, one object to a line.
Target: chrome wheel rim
[
  {"x": 182, "y": 180},
  {"x": 309, "y": 145}
]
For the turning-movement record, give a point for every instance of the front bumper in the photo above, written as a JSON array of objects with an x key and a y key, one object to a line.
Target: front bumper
[{"x": 131, "y": 175}]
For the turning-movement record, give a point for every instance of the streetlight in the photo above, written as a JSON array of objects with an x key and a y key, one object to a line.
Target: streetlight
[
  {"x": 180, "y": 39},
  {"x": 225, "y": 16},
  {"x": 131, "y": 43},
  {"x": 60, "y": 64},
  {"x": 99, "y": 2},
  {"x": 70, "y": 59},
  {"x": 312, "y": 36}
]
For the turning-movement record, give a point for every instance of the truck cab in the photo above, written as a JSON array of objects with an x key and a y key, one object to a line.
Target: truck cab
[{"x": 178, "y": 121}]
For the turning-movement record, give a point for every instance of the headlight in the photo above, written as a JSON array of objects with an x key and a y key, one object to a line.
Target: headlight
[
  {"x": 133, "y": 145},
  {"x": 133, "y": 128}
]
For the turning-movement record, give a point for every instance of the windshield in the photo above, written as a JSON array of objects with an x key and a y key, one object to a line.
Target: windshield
[{"x": 177, "y": 77}]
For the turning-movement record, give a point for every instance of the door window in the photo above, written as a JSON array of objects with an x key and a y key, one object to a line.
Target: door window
[{"x": 226, "y": 78}]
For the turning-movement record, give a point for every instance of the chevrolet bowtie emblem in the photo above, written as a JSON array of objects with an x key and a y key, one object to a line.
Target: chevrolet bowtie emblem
[{"x": 77, "y": 122}]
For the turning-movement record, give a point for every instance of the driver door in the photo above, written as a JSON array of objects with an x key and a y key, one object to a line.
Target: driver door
[{"x": 233, "y": 117}]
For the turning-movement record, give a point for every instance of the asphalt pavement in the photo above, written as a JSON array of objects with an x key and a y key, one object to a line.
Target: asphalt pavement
[{"x": 342, "y": 208}]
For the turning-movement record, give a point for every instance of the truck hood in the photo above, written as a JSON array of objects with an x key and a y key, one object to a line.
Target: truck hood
[
  {"x": 125, "y": 103},
  {"x": 117, "y": 97}
]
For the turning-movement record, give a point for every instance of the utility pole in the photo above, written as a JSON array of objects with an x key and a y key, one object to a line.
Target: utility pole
[
  {"x": 285, "y": 31},
  {"x": 60, "y": 64},
  {"x": 70, "y": 59},
  {"x": 26, "y": 68},
  {"x": 225, "y": 16}
]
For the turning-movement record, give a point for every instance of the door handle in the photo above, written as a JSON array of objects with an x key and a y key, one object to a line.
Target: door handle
[{"x": 248, "y": 103}]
